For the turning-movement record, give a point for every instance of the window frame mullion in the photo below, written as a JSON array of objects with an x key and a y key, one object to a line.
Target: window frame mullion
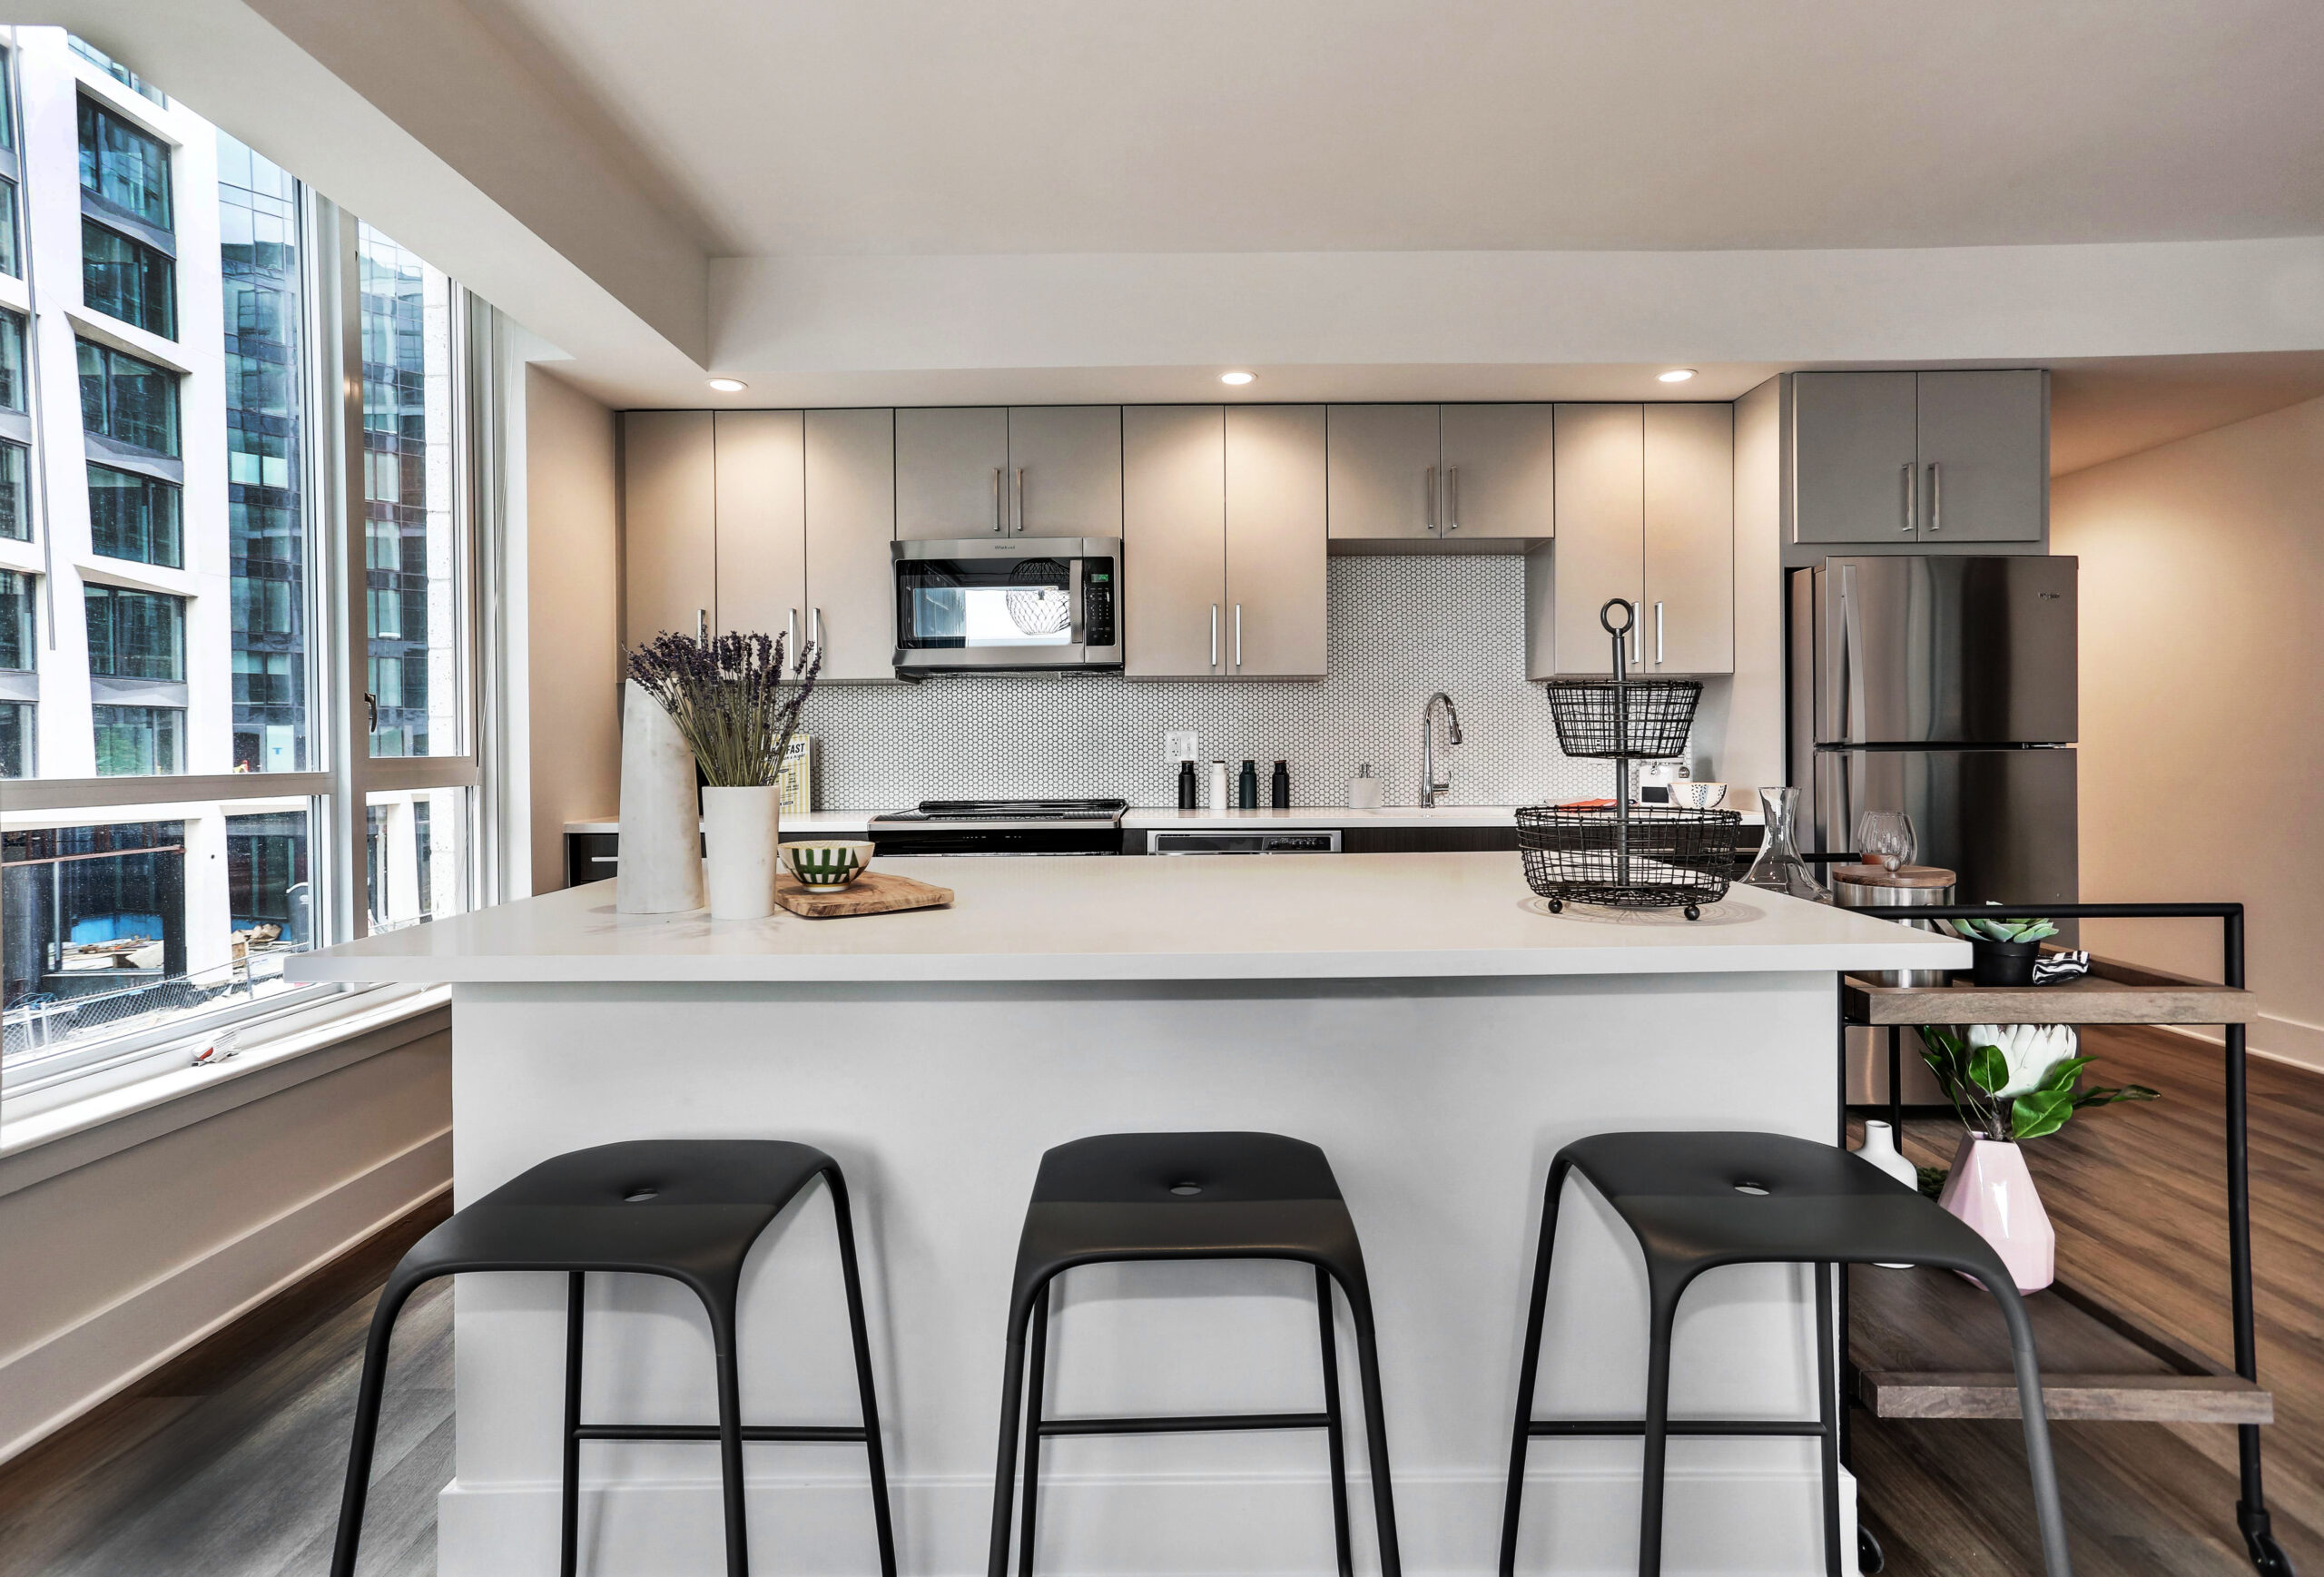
[{"x": 338, "y": 320}]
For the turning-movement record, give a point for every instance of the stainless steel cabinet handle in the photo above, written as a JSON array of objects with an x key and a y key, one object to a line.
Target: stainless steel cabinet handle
[
  {"x": 1432, "y": 498},
  {"x": 1214, "y": 635},
  {"x": 1910, "y": 523},
  {"x": 791, "y": 633},
  {"x": 1021, "y": 501},
  {"x": 1453, "y": 498},
  {"x": 999, "y": 521},
  {"x": 1238, "y": 637},
  {"x": 701, "y": 625},
  {"x": 1657, "y": 634},
  {"x": 815, "y": 626},
  {"x": 1935, "y": 497},
  {"x": 1638, "y": 617}
]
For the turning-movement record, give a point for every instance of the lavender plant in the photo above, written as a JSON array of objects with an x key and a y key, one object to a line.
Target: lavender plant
[{"x": 733, "y": 701}]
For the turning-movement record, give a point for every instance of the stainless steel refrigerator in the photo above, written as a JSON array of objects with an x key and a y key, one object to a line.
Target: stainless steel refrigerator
[{"x": 1944, "y": 688}]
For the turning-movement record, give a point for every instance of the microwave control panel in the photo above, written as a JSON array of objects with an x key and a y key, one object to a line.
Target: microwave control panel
[{"x": 1097, "y": 602}]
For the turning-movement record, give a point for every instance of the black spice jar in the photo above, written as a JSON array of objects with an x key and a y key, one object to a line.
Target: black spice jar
[
  {"x": 1247, "y": 787},
  {"x": 1279, "y": 786}
]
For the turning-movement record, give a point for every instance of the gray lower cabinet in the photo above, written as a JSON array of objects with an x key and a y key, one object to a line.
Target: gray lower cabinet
[
  {"x": 669, "y": 523},
  {"x": 760, "y": 524},
  {"x": 951, "y": 467},
  {"x": 1499, "y": 475},
  {"x": 1065, "y": 470},
  {"x": 1383, "y": 472},
  {"x": 1223, "y": 541},
  {"x": 1276, "y": 571},
  {"x": 849, "y": 484},
  {"x": 1917, "y": 458}
]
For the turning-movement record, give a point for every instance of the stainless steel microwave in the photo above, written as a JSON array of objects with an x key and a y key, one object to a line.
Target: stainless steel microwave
[{"x": 1015, "y": 603}]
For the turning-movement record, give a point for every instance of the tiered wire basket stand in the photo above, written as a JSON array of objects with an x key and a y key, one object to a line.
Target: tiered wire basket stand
[{"x": 1622, "y": 855}]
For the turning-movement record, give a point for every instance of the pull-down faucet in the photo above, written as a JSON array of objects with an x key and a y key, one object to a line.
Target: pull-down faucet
[{"x": 1430, "y": 783}]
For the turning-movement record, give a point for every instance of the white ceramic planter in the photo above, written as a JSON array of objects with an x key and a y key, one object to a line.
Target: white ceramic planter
[
  {"x": 742, "y": 835},
  {"x": 1990, "y": 1189},
  {"x": 661, "y": 839}
]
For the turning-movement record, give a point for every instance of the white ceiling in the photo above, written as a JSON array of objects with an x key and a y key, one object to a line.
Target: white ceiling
[{"x": 792, "y": 126}]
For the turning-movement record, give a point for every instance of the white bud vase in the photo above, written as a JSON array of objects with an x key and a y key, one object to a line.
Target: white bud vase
[
  {"x": 742, "y": 831},
  {"x": 1990, "y": 1189},
  {"x": 661, "y": 822},
  {"x": 1879, "y": 1147}
]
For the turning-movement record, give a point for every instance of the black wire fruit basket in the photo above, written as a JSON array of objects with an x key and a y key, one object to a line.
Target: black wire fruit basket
[{"x": 1623, "y": 855}]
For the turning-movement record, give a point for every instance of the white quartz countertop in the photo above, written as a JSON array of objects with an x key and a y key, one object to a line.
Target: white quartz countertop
[
  {"x": 854, "y": 823},
  {"x": 1290, "y": 917}
]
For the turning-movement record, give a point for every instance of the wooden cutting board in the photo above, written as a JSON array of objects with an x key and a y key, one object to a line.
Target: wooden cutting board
[{"x": 873, "y": 892}]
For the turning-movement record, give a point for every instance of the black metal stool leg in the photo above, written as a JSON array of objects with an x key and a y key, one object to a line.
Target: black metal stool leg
[
  {"x": 569, "y": 1512},
  {"x": 366, "y": 1425},
  {"x": 1039, "y": 1358},
  {"x": 1012, "y": 1402},
  {"x": 1663, "y": 1290},
  {"x": 1828, "y": 1392},
  {"x": 720, "y": 1304},
  {"x": 1529, "y": 1364},
  {"x": 1376, "y": 1427},
  {"x": 882, "y": 1515},
  {"x": 2035, "y": 1420},
  {"x": 1335, "y": 1436}
]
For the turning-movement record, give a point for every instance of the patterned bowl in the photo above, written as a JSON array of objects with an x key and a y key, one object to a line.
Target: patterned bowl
[{"x": 826, "y": 867}]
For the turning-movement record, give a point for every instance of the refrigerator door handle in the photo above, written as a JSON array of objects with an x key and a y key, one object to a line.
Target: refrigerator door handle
[{"x": 1848, "y": 697}]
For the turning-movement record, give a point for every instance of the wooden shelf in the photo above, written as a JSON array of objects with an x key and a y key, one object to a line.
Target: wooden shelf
[
  {"x": 2111, "y": 993},
  {"x": 1927, "y": 1345}
]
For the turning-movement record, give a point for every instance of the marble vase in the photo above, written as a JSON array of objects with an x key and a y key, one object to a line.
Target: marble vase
[
  {"x": 741, "y": 834},
  {"x": 1990, "y": 1189},
  {"x": 661, "y": 824}
]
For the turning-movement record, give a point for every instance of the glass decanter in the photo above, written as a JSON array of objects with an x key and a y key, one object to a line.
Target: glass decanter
[{"x": 1779, "y": 868}]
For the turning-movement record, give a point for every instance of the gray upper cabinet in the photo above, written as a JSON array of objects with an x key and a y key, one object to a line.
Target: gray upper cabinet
[
  {"x": 1600, "y": 544},
  {"x": 758, "y": 525},
  {"x": 849, "y": 491},
  {"x": 1985, "y": 456},
  {"x": 1065, "y": 470},
  {"x": 952, "y": 463},
  {"x": 1223, "y": 541},
  {"x": 1919, "y": 457},
  {"x": 1688, "y": 542},
  {"x": 1275, "y": 554},
  {"x": 1853, "y": 456},
  {"x": 1174, "y": 539},
  {"x": 1383, "y": 471},
  {"x": 669, "y": 523},
  {"x": 1499, "y": 476}
]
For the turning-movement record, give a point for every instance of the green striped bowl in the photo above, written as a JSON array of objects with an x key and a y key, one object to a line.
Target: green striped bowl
[{"x": 826, "y": 867}]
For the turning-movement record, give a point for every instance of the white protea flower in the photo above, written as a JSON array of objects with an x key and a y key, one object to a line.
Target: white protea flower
[{"x": 2032, "y": 1052}]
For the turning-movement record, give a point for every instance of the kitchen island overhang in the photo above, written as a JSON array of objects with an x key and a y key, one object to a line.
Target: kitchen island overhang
[{"x": 1409, "y": 1014}]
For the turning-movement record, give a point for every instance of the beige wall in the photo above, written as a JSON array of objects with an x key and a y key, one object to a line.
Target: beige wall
[
  {"x": 2203, "y": 722},
  {"x": 118, "y": 1263},
  {"x": 573, "y": 603}
]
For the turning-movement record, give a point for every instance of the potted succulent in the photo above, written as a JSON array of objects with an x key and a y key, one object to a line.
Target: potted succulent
[
  {"x": 2009, "y": 1083},
  {"x": 736, "y": 701},
  {"x": 2004, "y": 951}
]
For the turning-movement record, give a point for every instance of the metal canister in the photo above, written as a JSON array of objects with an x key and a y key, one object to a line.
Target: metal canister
[{"x": 1890, "y": 894}]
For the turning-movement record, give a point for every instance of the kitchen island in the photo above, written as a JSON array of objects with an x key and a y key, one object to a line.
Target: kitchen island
[{"x": 1417, "y": 1015}]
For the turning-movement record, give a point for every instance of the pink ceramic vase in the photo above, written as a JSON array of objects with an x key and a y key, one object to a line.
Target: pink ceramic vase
[{"x": 1990, "y": 1189}]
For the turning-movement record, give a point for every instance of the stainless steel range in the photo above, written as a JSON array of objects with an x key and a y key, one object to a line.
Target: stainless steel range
[{"x": 1002, "y": 827}]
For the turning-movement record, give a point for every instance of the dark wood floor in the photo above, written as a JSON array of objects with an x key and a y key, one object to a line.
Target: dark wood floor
[{"x": 226, "y": 1463}]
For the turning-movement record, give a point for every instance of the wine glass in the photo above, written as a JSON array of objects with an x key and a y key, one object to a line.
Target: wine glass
[{"x": 1885, "y": 838}]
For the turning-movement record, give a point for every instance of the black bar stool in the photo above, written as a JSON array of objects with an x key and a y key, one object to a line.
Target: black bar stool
[
  {"x": 1188, "y": 1195},
  {"x": 1696, "y": 1200},
  {"x": 688, "y": 1209}
]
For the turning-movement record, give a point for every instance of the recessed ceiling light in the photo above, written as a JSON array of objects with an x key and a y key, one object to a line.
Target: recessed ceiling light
[
  {"x": 728, "y": 385},
  {"x": 1676, "y": 375},
  {"x": 1234, "y": 377}
]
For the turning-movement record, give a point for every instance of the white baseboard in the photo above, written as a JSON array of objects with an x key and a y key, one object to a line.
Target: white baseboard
[
  {"x": 1742, "y": 1524},
  {"x": 2286, "y": 1040},
  {"x": 48, "y": 1384}
]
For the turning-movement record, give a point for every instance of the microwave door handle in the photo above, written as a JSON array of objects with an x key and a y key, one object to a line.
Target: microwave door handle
[{"x": 1073, "y": 568}]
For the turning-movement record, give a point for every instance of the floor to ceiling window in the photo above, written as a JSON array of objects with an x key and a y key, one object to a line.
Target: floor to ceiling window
[{"x": 176, "y": 734}]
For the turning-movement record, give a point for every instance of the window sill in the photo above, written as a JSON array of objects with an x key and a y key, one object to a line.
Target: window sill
[{"x": 48, "y": 1143}]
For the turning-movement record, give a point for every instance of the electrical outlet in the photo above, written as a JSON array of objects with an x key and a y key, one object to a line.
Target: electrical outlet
[{"x": 1179, "y": 744}]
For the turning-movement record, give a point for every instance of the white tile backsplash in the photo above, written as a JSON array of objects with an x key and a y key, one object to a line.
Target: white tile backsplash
[{"x": 1400, "y": 627}]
